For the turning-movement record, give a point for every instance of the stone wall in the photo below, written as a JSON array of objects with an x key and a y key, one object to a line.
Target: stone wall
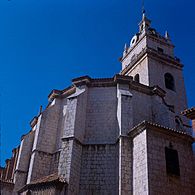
[
  {"x": 65, "y": 159},
  {"x": 46, "y": 164},
  {"x": 99, "y": 116},
  {"x": 177, "y": 98},
  {"x": 193, "y": 126},
  {"x": 6, "y": 188},
  {"x": 101, "y": 121},
  {"x": 135, "y": 51},
  {"x": 125, "y": 166},
  {"x": 124, "y": 110},
  {"x": 95, "y": 154},
  {"x": 159, "y": 181},
  {"x": 193, "y": 173},
  {"x": 160, "y": 113},
  {"x": 73, "y": 135},
  {"x": 75, "y": 169},
  {"x": 125, "y": 122},
  {"x": 70, "y": 163},
  {"x": 140, "y": 68},
  {"x": 7, "y": 173},
  {"x": 99, "y": 170},
  {"x": 140, "y": 164},
  {"x": 44, "y": 146},
  {"x": 49, "y": 127},
  {"x": 69, "y": 123},
  {"x": 81, "y": 112},
  {"x": 142, "y": 107},
  {"x": 168, "y": 50},
  {"x": 45, "y": 190},
  {"x": 24, "y": 156},
  {"x": 54, "y": 162},
  {"x": 41, "y": 165}
]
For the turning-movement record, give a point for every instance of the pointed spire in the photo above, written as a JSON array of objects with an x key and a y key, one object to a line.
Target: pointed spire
[
  {"x": 143, "y": 10},
  {"x": 40, "y": 110},
  {"x": 145, "y": 23},
  {"x": 143, "y": 15},
  {"x": 167, "y": 35},
  {"x": 125, "y": 47}
]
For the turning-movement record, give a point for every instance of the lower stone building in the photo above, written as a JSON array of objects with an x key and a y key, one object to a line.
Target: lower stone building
[{"x": 122, "y": 135}]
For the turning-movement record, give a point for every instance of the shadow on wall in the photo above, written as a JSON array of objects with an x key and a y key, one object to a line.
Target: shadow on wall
[{"x": 193, "y": 148}]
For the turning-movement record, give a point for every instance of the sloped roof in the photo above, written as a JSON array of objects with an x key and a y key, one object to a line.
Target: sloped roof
[
  {"x": 190, "y": 113},
  {"x": 141, "y": 126},
  {"x": 52, "y": 179},
  {"x": 46, "y": 179}
]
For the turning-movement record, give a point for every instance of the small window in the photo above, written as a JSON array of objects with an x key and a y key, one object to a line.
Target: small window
[
  {"x": 172, "y": 161},
  {"x": 169, "y": 81},
  {"x": 160, "y": 50},
  {"x": 136, "y": 78}
]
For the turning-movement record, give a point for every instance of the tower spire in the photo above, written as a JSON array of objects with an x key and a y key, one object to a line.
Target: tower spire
[
  {"x": 143, "y": 8},
  {"x": 145, "y": 23}
]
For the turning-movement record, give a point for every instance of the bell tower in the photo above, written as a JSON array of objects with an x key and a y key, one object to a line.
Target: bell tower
[{"x": 150, "y": 60}]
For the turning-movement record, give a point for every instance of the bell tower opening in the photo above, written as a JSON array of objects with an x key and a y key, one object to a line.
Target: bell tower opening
[{"x": 169, "y": 82}]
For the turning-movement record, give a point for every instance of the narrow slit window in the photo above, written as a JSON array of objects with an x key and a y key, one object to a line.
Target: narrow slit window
[{"x": 172, "y": 161}]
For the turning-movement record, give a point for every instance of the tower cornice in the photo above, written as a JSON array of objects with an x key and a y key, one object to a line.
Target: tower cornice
[
  {"x": 149, "y": 52},
  {"x": 160, "y": 40}
]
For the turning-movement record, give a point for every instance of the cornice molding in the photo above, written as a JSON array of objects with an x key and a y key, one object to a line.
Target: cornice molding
[
  {"x": 146, "y": 125},
  {"x": 151, "y": 53}
]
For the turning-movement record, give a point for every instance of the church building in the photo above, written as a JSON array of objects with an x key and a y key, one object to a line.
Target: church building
[{"x": 126, "y": 135}]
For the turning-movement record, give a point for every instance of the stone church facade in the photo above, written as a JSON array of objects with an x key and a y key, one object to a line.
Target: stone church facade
[{"x": 125, "y": 135}]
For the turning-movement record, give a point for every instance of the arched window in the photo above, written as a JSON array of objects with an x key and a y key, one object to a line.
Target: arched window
[
  {"x": 169, "y": 81},
  {"x": 136, "y": 78}
]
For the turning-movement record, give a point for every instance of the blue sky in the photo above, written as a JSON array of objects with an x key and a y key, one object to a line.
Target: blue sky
[{"x": 44, "y": 44}]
